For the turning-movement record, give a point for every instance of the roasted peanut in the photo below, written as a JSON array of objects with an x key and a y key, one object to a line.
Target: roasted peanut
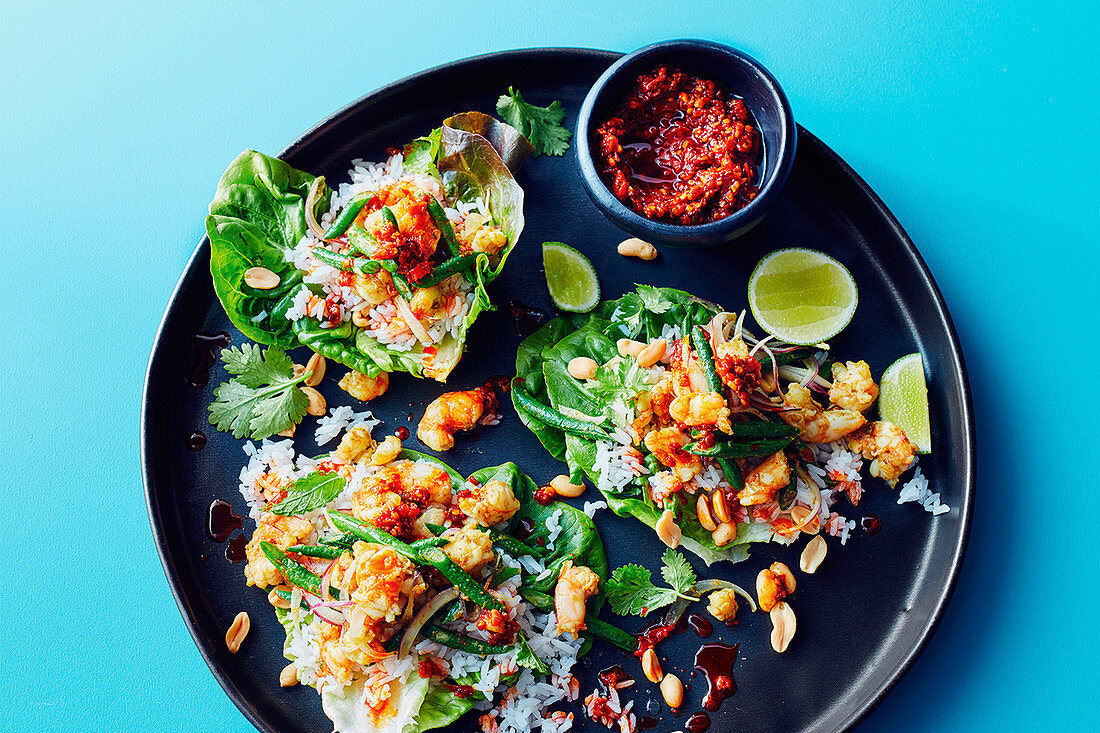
[
  {"x": 289, "y": 432},
  {"x": 812, "y": 555},
  {"x": 635, "y": 247},
  {"x": 277, "y": 600},
  {"x": 629, "y": 347},
  {"x": 721, "y": 506},
  {"x": 317, "y": 405},
  {"x": 783, "y": 626},
  {"x": 724, "y": 534},
  {"x": 668, "y": 530},
  {"x": 288, "y": 677},
  {"x": 582, "y": 367},
  {"x": 773, "y": 584},
  {"x": 316, "y": 366},
  {"x": 672, "y": 690},
  {"x": 652, "y": 667},
  {"x": 652, "y": 353},
  {"x": 563, "y": 487},
  {"x": 361, "y": 318},
  {"x": 260, "y": 278},
  {"x": 702, "y": 511},
  {"x": 238, "y": 630}
]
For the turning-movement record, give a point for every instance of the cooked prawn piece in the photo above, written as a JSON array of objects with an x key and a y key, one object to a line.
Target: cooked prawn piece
[
  {"x": 279, "y": 531},
  {"x": 470, "y": 548},
  {"x": 488, "y": 504},
  {"x": 722, "y": 604},
  {"x": 667, "y": 446},
  {"x": 382, "y": 583},
  {"x": 887, "y": 447},
  {"x": 660, "y": 397},
  {"x": 853, "y": 388},
  {"x": 762, "y": 482},
  {"x": 701, "y": 408},
  {"x": 449, "y": 413},
  {"x": 479, "y": 234},
  {"x": 356, "y": 445},
  {"x": 393, "y": 497},
  {"x": 814, "y": 424},
  {"x": 575, "y": 585},
  {"x": 364, "y": 388}
]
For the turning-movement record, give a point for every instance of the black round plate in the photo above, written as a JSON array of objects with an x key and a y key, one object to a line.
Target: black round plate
[{"x": 862, "y": 618}]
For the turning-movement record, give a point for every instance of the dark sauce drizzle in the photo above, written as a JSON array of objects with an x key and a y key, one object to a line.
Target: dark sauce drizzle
[
  {"x": 234, "y": 551},
  {"x": 526, "y": 319},
  {"x": 697, "y": 723},
  {"x": 222, "y": 521},
  {"x": 715, "y": 661},
  {"x": 196, "y": 441},
  {"x": 207, "y": 347},
  {"x": 871, "y": 524},
  {"x": 700, "y": 625},
  {"x": 402, "y": 433}
]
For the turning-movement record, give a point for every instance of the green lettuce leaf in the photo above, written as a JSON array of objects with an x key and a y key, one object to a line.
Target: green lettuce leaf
[
  {"x": 542, "y": 361},
  {"x": 257, "y": 215}
]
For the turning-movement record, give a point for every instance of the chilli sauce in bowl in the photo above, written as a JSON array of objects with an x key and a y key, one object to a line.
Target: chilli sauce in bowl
[
  {"x": 681, "y": 149},
  {"x": 686, "y": 143}
]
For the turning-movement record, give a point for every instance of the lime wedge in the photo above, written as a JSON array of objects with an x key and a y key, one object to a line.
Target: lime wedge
[
  {"x": 903, "y": 400},
  {"x": 571, "y": 278},
  {"x": 802, "y": 296}
]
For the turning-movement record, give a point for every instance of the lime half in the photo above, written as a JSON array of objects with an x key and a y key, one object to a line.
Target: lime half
[
  {"x": 802, "y": 296},
  {"x": 571, "y": 278},
  {"x": 903, "y": 400}
]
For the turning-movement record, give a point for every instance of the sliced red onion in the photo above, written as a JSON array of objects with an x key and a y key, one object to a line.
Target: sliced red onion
[{"x": 322, "y": 611}]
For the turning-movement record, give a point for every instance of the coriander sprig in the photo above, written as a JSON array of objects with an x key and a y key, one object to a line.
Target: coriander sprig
[
  {"x": 540, "y": 125},
  {"x": 631, "y": 591},
  {"x": 263, "y": 398}
]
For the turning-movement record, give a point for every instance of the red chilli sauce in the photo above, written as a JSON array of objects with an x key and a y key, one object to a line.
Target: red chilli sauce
[{"x": 681, "y": 149}]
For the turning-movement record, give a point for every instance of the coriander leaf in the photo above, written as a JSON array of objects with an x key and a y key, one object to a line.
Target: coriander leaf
[
  {"x": 652, "y": 300},
  {"x": 263, "y": 399},
  {"x": 231, "y": 411},
  {"x": 277, "y": 411},
  {"x": 310, "y": 492},
  {"x": 246, "y": 360},
  {"x": 631, "y": 591},
  {"x": 540, "y": 125},
  {"x": 527, "y": 658},
  {"x": 677, "y": 572}
]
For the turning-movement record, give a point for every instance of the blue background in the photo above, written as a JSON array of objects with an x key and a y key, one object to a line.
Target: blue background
[{"x": 976, "y": 125}]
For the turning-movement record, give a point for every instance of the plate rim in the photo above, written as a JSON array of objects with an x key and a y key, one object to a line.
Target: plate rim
[{"x": 968, "y": 463}]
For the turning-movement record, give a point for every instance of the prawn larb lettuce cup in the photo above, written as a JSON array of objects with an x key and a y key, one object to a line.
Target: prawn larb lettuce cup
[
  {"x": 388, "y": 271},
  {"x": 411, "y": 595}
]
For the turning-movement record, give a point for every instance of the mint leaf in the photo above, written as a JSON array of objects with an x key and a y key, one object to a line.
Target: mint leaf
[
  {"x": 540, "y": 125},
  {"x": 310, "y": 492},
  {"x": 630, "y": 591},
  {"x": 677, "y": 572}
]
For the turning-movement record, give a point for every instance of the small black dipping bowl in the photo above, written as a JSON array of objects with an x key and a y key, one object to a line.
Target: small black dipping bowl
[{"x": 738, "y": 73}]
